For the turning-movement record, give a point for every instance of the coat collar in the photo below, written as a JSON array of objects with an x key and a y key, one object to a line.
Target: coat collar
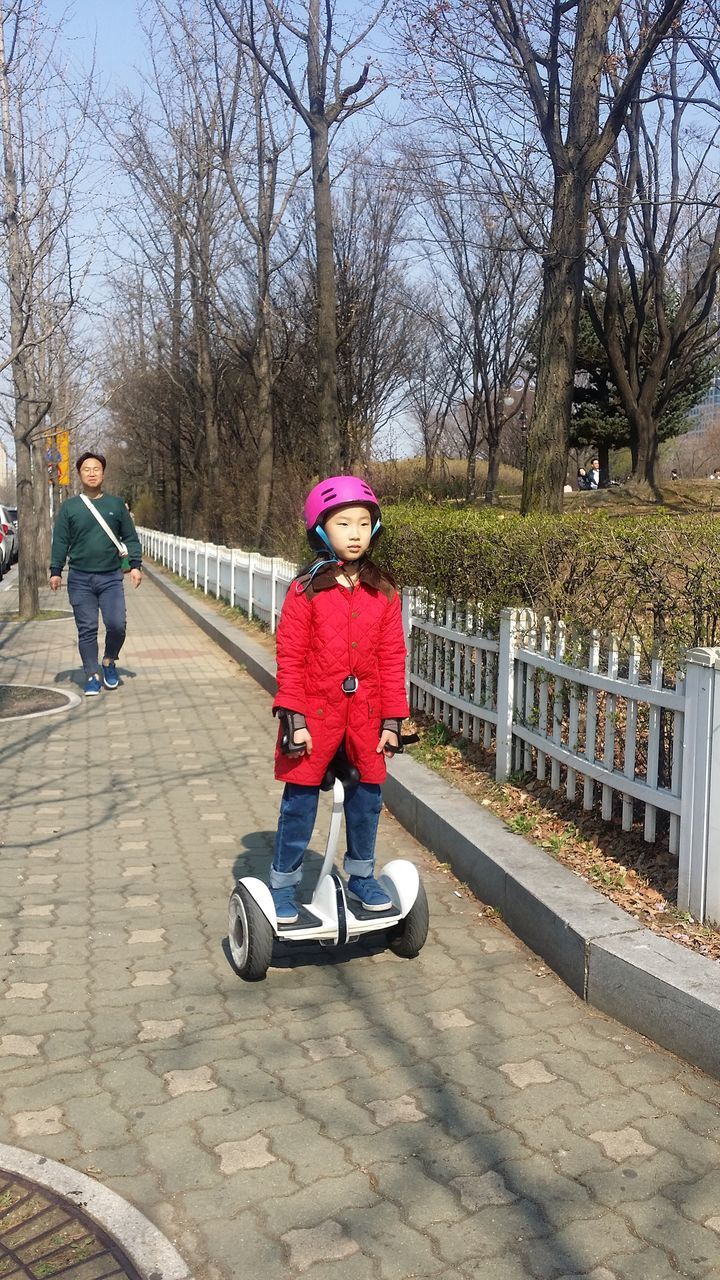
[{"x": 370, "y": 576}]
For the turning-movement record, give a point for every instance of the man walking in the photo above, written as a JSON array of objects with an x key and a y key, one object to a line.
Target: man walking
[{"x": 95, "y": 575}]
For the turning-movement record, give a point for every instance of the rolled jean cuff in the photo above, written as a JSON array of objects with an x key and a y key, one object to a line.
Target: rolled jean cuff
[
  {"x": 281, "y": 879},
  {"x": 358, "y": 866}
]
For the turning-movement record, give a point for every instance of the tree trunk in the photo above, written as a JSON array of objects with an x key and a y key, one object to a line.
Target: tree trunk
[
  {"x": 327, "y": 394},
  {"x": 633, "y": 448},
  {"x": 28, "y": 582},
  {"x": 471, "y": 477},
  {"x": 41, "y": 502},
  {"x": 206, "y": 386},
  {"x": 493, "y": 470},
  {"x": 177, "y": 378},
  {"x": 644, "y": 470},
  {"x": 563, "y": 272},
  {"x": 27, "y": 567},
  {"x": 265, "y": 440},
  {"x": 200, "y": 290}
]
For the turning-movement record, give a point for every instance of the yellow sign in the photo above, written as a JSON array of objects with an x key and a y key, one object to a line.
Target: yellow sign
[{"x": 63, "y": 447}]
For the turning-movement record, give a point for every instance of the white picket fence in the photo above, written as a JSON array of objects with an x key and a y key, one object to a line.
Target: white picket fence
[
  {"x": 559, "y": 708},
  {"x": 257, "y": 584}
]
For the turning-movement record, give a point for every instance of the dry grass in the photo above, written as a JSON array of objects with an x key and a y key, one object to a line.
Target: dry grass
[
  {"x": 640, "y": 877},
  {"x": 405, "y": 478}
]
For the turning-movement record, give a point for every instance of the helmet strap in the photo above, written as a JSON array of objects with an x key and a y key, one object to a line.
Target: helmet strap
[
  {"x": 324, "y": 538},
  {"x": 321, "y": 562}
]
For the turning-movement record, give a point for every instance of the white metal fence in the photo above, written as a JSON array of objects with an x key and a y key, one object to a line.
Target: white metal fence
[
  {"x": 257, "y": 584},
  {"x": 563, "y": 709}
]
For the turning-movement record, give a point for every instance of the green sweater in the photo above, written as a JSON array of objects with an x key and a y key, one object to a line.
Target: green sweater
[{"x": 79, "y": 539}]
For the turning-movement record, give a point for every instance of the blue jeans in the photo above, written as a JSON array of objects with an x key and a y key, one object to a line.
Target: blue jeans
[
  {"x": 89, "y": 593},
  {"x": 298, "y": 809}
]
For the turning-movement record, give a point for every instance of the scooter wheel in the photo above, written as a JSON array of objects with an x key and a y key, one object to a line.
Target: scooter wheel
[
  {"x": 250, "y": 935},
  {"x": 407, "y": 938}
]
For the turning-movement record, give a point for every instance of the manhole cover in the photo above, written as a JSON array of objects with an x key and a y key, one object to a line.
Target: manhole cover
[{"x": 42, "y": 1235}]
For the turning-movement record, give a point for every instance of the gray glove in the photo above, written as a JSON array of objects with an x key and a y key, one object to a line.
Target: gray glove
[{"x": 291, "y": 721}]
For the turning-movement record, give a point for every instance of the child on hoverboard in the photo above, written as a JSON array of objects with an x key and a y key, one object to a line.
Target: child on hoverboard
[{"x": 341, "y": 682}]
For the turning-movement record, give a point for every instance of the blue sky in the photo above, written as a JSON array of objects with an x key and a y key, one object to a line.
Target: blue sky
[{"x": 112, "y": 25}]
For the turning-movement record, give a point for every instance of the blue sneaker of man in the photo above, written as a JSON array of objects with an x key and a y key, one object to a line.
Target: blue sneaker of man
[
  {"x": 110, "y": 676},
  {"x": 286, "y": 908},
  {"x": 367, "y": 891},
  {"x": 92, "y": 686}
]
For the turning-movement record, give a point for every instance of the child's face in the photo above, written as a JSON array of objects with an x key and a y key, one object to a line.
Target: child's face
[{"x": 349, "y": 531}]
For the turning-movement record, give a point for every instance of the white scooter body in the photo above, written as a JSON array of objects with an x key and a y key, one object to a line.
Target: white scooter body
[{"x": 330, "y": 917}]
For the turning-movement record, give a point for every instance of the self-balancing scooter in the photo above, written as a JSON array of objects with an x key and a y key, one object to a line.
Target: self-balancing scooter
[{"x": 327, "y": 918}]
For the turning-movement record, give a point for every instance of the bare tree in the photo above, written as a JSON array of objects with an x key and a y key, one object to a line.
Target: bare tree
[
  {"x": 489, "y": 280},
  {"x": 262, "y": 176},
  {"x": 211, "y": 154},
  {"x": 42, "y": 163},
  {"x": 323, "y": 103},
  {"x": 434, "y": 381},
  {"x": 167, "y": 142},
  {"x": 529, "y": 86},
  {"x": 147, "y": 421},
  {"x": 374, "y": 320},
  {"x": 657, "y": 264}
]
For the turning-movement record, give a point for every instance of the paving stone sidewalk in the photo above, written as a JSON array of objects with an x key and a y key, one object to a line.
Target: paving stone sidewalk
[{"x": 356, "y": 1115}]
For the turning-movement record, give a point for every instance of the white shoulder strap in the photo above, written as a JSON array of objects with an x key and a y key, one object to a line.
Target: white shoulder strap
[{"x": 103, "y": 524}]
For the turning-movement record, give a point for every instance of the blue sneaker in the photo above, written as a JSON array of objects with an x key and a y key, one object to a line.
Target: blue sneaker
[
  {"x": 92, "y": 686},
  {"x": 110, "y": 676},
  {"x": 286, "y": 908},
  {"x": 367, "y": 891}
]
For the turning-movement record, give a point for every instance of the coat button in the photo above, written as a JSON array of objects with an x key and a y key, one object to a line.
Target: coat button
[
  {"x": 354, "y": 615},
  {"x": 319, "y": 711},
  {"x": 354, "y": 644}
]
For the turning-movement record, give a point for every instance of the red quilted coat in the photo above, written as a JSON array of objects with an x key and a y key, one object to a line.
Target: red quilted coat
[{"x": 327, "y": 632}]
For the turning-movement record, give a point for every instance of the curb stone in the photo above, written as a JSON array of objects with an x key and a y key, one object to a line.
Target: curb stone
[
  {"x": 71, "y": 700},
  {"x": 648, "y": 983},
  {"x": 148, "y": 1249}
]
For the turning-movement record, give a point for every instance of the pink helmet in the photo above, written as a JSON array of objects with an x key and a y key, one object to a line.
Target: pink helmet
[{"x": 338, "y": 491}]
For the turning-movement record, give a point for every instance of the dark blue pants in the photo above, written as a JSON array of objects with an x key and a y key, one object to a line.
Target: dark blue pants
[
  {"x": 298, "y": 809},
  {"x": 90, "y": 593}
]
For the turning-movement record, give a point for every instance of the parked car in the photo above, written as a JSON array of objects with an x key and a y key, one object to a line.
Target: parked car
[
  {"x": 8, "y": 529},
  {"x": 12, "y": 512}
]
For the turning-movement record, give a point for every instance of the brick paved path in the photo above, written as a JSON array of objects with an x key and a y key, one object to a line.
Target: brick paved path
[{"x": 354, "y": 1116}]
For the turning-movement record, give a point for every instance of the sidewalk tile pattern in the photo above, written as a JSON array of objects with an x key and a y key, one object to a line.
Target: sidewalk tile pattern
[{"x": 356, "y": 1115}]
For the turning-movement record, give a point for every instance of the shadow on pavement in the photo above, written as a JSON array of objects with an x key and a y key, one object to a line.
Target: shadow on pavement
[
  {"x": 76, "y": 675},
  {"x": 527, "y": 1212}
]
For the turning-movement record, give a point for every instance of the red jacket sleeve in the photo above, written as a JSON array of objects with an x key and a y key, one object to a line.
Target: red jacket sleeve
[
  {"x": 391, "y": 661},
  {"x": 293, "y": 639}
]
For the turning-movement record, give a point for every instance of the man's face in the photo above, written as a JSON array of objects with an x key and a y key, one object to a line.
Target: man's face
[
  {"x": 91, "y": 473},
  {"x": 596, "y": 464}
]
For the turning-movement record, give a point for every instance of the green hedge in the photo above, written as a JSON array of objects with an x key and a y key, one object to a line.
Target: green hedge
[{"x": 657, "y": 576}]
